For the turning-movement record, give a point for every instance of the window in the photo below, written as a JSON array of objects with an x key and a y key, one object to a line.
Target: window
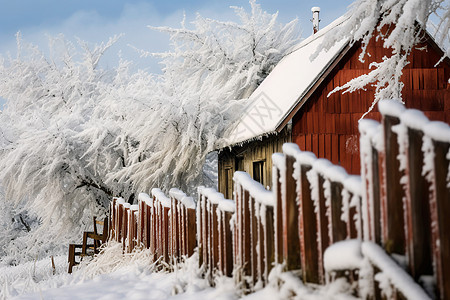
[{"x": 258, "y": 171}]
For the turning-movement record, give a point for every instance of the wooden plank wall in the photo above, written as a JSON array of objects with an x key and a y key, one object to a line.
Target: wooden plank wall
[
  {"x": 328, "y": 126},
  {"x": 259, "y": 150}
]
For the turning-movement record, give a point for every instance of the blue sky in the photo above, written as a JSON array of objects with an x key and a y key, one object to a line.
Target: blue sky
[{"x": 96, "y": 20}]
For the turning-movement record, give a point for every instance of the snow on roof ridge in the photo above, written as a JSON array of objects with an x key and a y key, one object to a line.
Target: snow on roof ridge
[
  {"x": 339, "y": 21},
  {"x": 284, "y": 88}
]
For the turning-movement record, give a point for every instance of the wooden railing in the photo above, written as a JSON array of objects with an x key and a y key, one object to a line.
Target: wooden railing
[{"x": 399, "y": 203}]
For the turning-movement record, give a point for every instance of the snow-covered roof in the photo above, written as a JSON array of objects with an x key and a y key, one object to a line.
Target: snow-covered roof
[{"x": 291, "y": 79}]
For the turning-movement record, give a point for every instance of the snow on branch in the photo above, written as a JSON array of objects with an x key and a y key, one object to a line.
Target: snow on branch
[{"x": 401, "y": 26}]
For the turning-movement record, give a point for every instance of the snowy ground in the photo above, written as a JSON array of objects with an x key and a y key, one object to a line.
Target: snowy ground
[{"x": 116, "y": 276}]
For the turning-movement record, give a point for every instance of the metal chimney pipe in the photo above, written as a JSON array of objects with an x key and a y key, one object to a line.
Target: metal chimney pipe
[{"x": 315, "y": 20}]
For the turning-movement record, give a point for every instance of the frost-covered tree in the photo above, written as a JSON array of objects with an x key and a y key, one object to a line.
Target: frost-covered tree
[
  {"x": 47, "y": 166},
  {"x": 73, "y": 134},
  {"x": 404, "y": 18},
  {"x": 209, "y": 67}
]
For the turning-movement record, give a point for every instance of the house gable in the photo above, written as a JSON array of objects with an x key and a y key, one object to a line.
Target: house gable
[{"x": 328, "y": 126}]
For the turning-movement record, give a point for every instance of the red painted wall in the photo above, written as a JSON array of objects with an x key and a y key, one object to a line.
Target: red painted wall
[{"x": 329, "y": 126}]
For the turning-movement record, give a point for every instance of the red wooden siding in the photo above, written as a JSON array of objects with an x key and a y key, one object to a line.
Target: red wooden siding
[{"x": 329, "y": 126}]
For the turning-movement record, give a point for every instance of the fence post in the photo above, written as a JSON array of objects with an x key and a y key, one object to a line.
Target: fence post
[
  {"x": 260, "y": 209},
  {"x": 158, "y": 232},
  {"x": 119, "y": 219},
  {"x": 417, "y": 201},
  {"x": 126, "y": 208},
  {"x": 438, "y": 136},
  {"x": 112, "y": 219},
  {"x": 200, "y": 226},
  {"x": 307, "y": 219},
  {"x": 393, "y": 233},
  {"x": 228, "y": 242},
  {"x": 246, "y": 238},
  {"x": 174, "y": 230},
  {"x": 214, "y": 236},
  {"x": 278, "y": 209},
  {"x": 323, "y": 239},
  {"x": 141, "y": 223},
  {"x": 269, "y": 246},
  {"x": 151, "y": 228},
  {"x": 337, "y": 226},
  {"x": 253, "y": 240},
  {"x": 291, "y": 243},
  {"x": 166, "y": 233},
  {"x": 370, "y": 131},
  {"x": 205, "y": 232}
]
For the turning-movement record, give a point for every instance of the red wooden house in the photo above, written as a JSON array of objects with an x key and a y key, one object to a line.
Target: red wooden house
[{"x": 292, "y": 104}]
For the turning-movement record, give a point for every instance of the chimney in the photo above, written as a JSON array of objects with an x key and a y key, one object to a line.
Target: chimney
[{"x": 315, "y": 20}]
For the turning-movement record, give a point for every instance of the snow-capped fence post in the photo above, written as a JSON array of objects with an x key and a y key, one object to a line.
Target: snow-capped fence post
[
  {"x": 166, "y": 233},
  {"x": 227, "y": 242},
  {"x": 352, "y": 207},
  {"x": 157, "y": 232},
  {"x": 246, "y": 235},
  {"x": 144, "y": 224},
  {"x": 278, "y": 238},
  {"x": 238, "y": 254},
  {"x": 199, "y": 224},
  {"x": 417, "y": 200},
  {"x": 307, "y": 217},
  {"x": 335, "y": 176},
  {"x": 214, "y": 233},
  {"x": 119, "y": 219},
  {"x": 225, "y": 210},
  {"x": 151, "y": 228},
  {"x": 174, "y": 228},
  {"x": 163, "y": 238},
  {"x": 201, "y": 228},
  {"x": 370, "y": 132},
  {"x": 255, "y": 239},
  {"x": 317, "y": 180},
  {"x": 393, "y": 229},
  {"x": 437, "y": 158},
  {"x": 112, "y": 219},
  {"x": 267, "y": 234},
  {"x": 131, "y": 228},
  {"x": 291, "y": 242},
  {"x": 141, "y": 222},
  {"x": 126, "y": 208}
]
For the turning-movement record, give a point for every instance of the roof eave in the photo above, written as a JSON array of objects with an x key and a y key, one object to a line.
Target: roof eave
[{"x": 313, "y": 86}]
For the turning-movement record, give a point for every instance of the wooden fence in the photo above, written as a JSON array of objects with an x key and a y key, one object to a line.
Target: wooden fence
[{"x": 394, "y": 212}]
